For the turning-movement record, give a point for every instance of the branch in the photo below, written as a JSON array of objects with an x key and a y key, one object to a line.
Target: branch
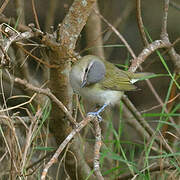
[
  {"x": 3, "y": 6},
  {"x": 118, "y": 34},
  {"x": 36, "y": 58},
  {"x": 8, "y": 36},
  {"x": 175, "y": 57},
  {"x": 12, "y": 23},
  {"x": 80, "y": 125},
  {"x": 147, "y": 52},
  {"x": 121, "y": 20},
  {"x": 97, "y": 148},
  {"x": 163, "y": 43},
  {"x": 144, "y": 124},
  {"x": 74, "y": 22},
  {"x": 48, "y": 93},
  {"x": 140, "y": 22},
  {"x": 35, "y": 14},
  {"x": 60, "y": 49}
]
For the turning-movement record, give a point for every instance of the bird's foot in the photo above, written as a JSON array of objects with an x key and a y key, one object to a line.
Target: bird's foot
[{"x": 98, "y": 112}]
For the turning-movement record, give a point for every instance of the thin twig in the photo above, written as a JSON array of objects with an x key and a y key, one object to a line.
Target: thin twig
[
  {"x": 35, "y": 14},
  {"x": 29, "y": 136},
  {"x": 140, "y": 22},
  {"x": 164, "y": 20},
  {"x": 19, "y": 105},
  {"x": 143, "y": 122},
  {"x": 132, "y": 121},
  {"x": 120, "y": 20},
  {"x": 40, "y": 160},
  {"x": 175, "y": 57},
  {"x": 80, "y": 125},
  {"x": 151, "y": 169},
  {"x": 160, "y": 105},
  {"x": 97, "y": 148},
  {"x": 14, "y": 133},
  {"x": 49, "y": 94},
  {"x": 118, "y": 34},
  {"x": 160, "y": 101},
  {"x": 137, "y": 61},
  {"x": 163, "y": 43},
  {"x": 164, "y": 36},
  {"x": 36, "y": 58}
]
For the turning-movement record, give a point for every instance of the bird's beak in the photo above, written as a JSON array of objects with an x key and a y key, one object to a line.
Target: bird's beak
[
  {"x": 83, "y": 83},
  {"x": 84, "y": 80}
]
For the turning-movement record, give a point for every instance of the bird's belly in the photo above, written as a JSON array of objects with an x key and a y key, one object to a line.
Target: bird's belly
[{"x": 101, "y": 96}]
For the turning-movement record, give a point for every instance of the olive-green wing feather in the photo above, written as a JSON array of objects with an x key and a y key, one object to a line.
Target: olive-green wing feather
[{"x": 116, "y": 79}]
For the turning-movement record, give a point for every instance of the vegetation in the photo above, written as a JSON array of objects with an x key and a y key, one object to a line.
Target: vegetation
[{"x": 44, "y": 130}]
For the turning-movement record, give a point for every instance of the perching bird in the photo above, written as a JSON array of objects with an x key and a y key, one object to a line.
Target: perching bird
[{"x": 101, "y": 82}]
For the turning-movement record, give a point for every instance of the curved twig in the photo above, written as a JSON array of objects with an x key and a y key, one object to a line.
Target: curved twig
[{"x": 82, "y": 124}]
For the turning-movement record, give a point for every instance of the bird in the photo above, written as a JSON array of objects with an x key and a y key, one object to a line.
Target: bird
[{"x": 101, "y": 82}]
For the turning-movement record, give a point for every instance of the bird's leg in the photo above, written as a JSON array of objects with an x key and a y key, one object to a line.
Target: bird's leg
[{"x": 98, "y": 112}]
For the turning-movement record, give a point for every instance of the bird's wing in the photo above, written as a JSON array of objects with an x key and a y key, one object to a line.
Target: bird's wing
[{"x": 116, "y": 79}]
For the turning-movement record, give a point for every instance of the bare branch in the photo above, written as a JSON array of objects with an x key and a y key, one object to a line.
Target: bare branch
[
  {"x": 30, "y": 134},
  {"x": 121, "y": 20},
  {"x": 9, "y": 35},
  {"x": 163, "y": 43},
  {"x": 97, "y": 148},
  {"x": 140, "y": 22},
  {"x": 3, "y": 6},
  {"x": 175, "y": 57},
  {"x": 36, "y": 58},
  {"x": 146, "y": 52},
  {"x": 35, "y": 14},
  {"x": 74, "y": 22},
  {"x": 164, "y": 20},
  {"x": 118, "y": 34},
  {"x": 12, "y": 23},
  {"x": 157, "y": 106},
  {"x": 80, "y": 125},
  {"x": 132, "y": 121},
  {"x": 49, "y": 94},
  {"x": 143, "y": 122}
]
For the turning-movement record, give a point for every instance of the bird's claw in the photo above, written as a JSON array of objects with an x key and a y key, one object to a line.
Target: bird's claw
[{"x": 96, "y": 114}]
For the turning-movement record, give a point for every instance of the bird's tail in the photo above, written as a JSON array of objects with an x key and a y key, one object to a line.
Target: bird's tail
[{"x": 140, "y": 76}]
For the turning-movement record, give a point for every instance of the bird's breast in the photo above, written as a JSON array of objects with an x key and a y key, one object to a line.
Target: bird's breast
[{"x": 100, "y": 96}]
